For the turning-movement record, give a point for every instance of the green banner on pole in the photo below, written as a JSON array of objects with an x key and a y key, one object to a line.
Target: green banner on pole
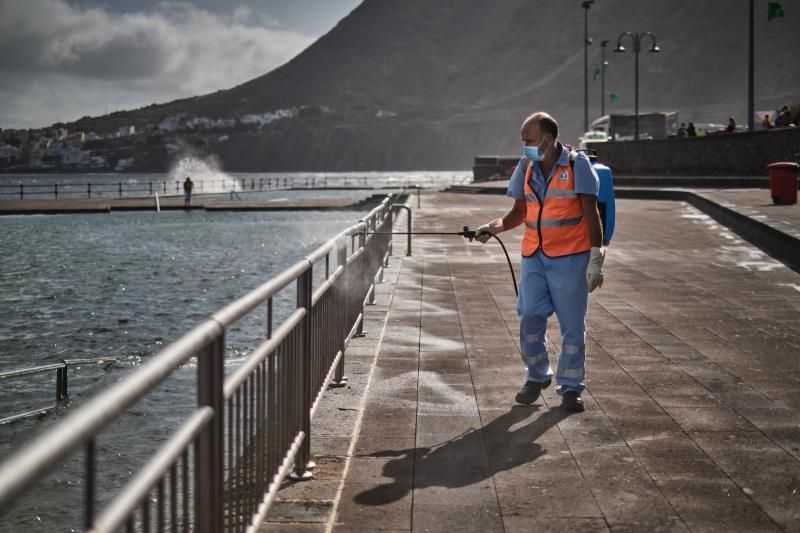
[
  {"x": 774, "y": 11},
  {"x": 614, "y": 98},
  {"x": 596, "y": 74}
]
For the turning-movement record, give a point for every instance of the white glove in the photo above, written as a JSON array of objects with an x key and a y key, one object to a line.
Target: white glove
[
  {"x": 594, "y": 272},
  {"x": 483, "y": 233}
]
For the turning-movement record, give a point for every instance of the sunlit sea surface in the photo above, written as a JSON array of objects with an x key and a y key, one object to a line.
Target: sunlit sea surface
[{"x": 124, "y": 285}]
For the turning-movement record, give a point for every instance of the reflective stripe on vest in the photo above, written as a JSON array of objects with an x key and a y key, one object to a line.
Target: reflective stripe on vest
[
  {"x": 559, "y": 221},
  {"x": 555, "y": 223},
  {"x": 561, "y": 193}
]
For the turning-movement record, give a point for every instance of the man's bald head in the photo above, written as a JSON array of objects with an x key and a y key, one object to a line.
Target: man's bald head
[{"x": 545, "y": 123}]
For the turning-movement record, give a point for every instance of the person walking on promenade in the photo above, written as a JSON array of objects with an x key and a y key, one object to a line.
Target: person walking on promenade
[
  {"x": 731, "y": 127},
  {"x": 188, "y": 185},
  {"x": 562, "y": 256},
  {"x": 691, "y": 131}
]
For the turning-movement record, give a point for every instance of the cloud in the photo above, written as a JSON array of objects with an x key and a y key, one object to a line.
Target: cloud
[{"x": 61, "y": 60}]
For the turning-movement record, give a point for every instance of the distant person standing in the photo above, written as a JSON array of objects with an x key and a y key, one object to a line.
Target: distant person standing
[
  {"x": 731, "y": 127},
  {"x": 766, "y": 123},
  {"x": 691, "y": 131},
  {"x": 682, "y": 132},
  {"x": 188, "y": 185}
]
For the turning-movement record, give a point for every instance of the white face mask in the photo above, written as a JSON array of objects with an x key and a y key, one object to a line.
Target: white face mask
[{"x": 534, "y": 153}]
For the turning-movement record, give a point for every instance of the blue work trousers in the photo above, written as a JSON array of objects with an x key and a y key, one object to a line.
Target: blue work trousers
[{"x": 551, "y": 284}]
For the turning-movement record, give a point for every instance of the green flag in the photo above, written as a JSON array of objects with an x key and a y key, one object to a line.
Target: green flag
[
  {"x": 596, "y": 74},
  {"x": 774, "y": 11},
  {"x": 614, "y": 98}
]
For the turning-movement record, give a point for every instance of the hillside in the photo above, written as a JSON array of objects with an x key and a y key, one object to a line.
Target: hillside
[{"x": 454, "y": 79}]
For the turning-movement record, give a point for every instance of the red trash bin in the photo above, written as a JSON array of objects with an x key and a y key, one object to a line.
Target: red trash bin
[{"x": 783, "y": 182}]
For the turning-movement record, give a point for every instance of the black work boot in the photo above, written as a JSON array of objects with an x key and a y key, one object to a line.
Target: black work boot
[
  {"x": 571, "y": 401},
  {"x": 530, "y": 391}
]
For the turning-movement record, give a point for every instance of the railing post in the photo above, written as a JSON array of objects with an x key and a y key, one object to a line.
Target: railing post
[
  {"x": 372, "y": 227},
  {"x": 386, "y": 222},
  {"x": 61, "y": 383},
  {"x": 55, "y": 190},
  {"x": 120, "y": 189},
  {"x": 89, "y": 190},
  {"x": 302, "y": 464},
  {"x": 362, "y": 237},
  {"x": 208, "y": 499},
  {"x": 408, "y": 223},
  {"x": 90, "y": 486},
  {"x": 339, "y": 379}
]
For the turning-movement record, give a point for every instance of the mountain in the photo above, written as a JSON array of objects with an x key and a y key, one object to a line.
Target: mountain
[{"x": 421, "y": 84}]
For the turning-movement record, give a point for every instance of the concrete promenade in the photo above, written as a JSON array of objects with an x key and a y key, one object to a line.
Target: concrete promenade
[{"x": 692, "y": 418}]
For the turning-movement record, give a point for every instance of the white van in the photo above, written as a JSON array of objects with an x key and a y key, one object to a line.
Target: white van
[{"x": 591, "y": 137}]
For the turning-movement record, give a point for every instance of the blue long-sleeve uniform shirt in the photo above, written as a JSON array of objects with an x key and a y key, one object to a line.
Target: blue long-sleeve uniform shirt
[{"x": 586, "y": 180}]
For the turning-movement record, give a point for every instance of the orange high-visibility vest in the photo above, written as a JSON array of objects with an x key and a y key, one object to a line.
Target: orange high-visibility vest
[{"x": 555, "y": 223}]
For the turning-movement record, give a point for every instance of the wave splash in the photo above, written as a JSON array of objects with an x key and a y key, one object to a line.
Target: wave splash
[{"x": 205, "y": 173}]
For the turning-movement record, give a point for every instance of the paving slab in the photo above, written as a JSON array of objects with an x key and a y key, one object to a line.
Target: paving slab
[{"x": 692, "y": 417}]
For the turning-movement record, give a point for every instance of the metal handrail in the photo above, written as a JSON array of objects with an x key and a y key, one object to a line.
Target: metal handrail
[
  {"x": 260, "y": 422},
  {"x": 21, "y": 470},
  {"x": 150, "y": 475},
  {"x": 32, "y": 370},
  {"x": 62, "y": 372},
  {"x": 130, "y": 189}
]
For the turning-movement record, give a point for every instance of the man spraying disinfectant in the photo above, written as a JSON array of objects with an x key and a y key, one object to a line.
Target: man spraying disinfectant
[{"x": 562, "y": 256}]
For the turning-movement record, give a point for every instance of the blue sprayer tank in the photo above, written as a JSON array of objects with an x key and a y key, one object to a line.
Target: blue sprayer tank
[{"x": 605, "y": 200}]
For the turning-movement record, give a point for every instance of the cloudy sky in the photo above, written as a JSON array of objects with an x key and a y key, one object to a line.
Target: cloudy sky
[{"x": 63, "y": 59}]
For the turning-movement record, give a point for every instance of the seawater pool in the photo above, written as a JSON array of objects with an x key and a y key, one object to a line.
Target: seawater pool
[{"x": 125, "y": 285}]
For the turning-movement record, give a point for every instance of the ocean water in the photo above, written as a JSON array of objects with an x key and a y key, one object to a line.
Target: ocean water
[{"x": 124, "y": 285}]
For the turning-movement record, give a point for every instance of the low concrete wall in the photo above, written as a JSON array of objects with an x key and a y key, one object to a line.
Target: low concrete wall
[
  {"x": 774, "y": 242},
  {"x": 737, "y": 154}
]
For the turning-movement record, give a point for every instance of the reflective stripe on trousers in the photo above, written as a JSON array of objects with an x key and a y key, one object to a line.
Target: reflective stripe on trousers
[{"x": 554, "y": 285}]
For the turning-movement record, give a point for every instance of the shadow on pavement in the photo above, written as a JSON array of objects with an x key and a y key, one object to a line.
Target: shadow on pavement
[{"x": 462, "y": 460}]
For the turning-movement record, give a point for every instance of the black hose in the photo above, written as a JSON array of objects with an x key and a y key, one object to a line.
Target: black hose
[
  {"x": 510, "y": 267},
  {"x": 466, "y": 233}
]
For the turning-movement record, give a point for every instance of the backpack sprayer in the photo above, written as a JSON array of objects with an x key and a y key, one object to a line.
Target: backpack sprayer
[{"x": 466, "y": 233}]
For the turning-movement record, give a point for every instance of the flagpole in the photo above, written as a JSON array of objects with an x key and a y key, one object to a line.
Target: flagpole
[{"x": 750, "y": 72}]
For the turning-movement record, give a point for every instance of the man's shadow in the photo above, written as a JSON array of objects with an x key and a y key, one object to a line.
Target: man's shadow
[{"x": 461, "y": 461}]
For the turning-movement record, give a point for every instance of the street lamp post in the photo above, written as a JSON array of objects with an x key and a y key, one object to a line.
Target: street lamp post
[
  {"x": 603, "y": 65},
  {"x": 586, "y": 42},
  {"x": 636, "y": 38}
]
